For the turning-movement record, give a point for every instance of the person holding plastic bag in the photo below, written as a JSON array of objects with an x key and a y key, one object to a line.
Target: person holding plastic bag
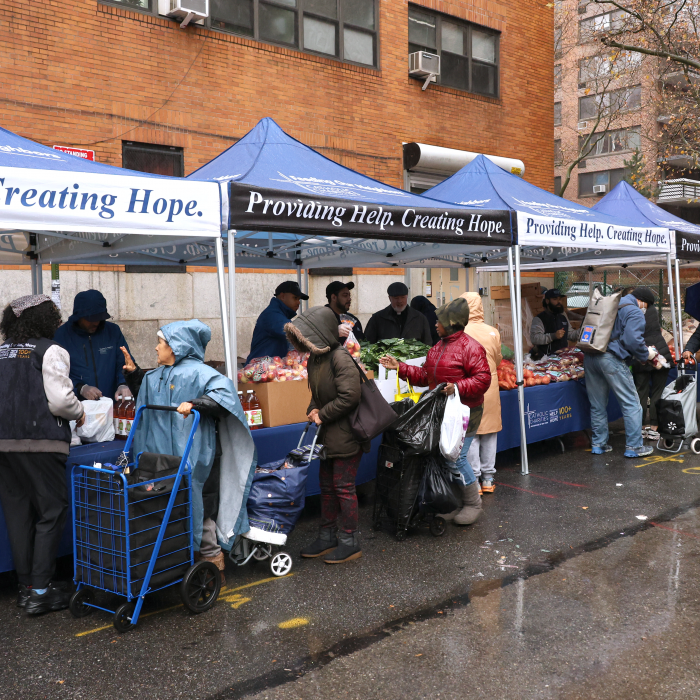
[
  {"x": 460, "y": 361},
  {"x": 482, "y": 453},
  {"x": 37, "y": 402}
]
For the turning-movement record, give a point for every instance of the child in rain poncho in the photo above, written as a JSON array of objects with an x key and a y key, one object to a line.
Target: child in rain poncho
[{"x": 222, "y": 454}]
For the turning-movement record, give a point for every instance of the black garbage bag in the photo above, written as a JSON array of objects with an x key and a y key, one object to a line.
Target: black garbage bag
[
  {"x": 417, "y": 431},
  {"x": 439, "y": 492}
]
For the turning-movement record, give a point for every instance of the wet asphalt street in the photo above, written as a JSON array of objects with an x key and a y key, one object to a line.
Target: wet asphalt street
[{"x": 559, "y": 591}]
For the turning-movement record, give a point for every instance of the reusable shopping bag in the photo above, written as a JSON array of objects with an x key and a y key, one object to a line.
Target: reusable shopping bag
[
  {"x": 411, "y": 394},
  {"x": 374, "y": 414}
]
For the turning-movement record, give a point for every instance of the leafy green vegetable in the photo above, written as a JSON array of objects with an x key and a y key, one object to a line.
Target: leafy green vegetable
[{"x": 400, "y": 348}]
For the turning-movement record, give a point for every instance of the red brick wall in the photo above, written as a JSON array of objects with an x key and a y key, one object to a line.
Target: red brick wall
[{"x": 79, "y": 73}]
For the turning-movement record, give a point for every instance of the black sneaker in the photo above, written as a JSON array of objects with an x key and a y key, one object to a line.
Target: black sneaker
[
  {"x": 56, "y": 597},
  {"x": 22, "y": 595}
]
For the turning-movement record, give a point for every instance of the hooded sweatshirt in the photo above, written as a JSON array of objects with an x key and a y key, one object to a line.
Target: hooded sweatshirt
[
  {"x": 627, "y": 337},
  {"x": 167, "y": 432},
  {"x": 334, "y": 380},
  {"x": 95, "y": 359},
  {"x": 490, "y": 339}
]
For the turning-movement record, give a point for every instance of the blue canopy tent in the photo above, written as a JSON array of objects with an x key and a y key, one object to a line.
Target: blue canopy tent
[
  {"x": 290, "y": 206},
  {"x": 56, "y": 207},
  {"x": 549, "y": 228},
  {"x": 624, "y": 200}
]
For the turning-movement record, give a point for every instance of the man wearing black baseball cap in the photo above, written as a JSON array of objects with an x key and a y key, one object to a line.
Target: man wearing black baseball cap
[
  {"x": 398, "y": 320},
  {"x": 269, "y": 338},
  {"x": 339, "y": 300},
  {"x": 550, "y": 330}
]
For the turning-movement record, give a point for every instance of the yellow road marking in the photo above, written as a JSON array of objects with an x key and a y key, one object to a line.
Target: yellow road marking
[
  {"x": 294, "y": 622},
  {"x": 692, "y": 470},
  {"x": 175, "y": 607},
  {"x": 658, "y": 458}
]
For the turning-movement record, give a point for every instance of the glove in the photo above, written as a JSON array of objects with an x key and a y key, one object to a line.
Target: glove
[
  {"x": 91, "y": 393},
  {"x": 123, "y": 391}
]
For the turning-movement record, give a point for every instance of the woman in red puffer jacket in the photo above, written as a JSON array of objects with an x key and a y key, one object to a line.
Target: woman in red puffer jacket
[{"x": 460, "y": 361}]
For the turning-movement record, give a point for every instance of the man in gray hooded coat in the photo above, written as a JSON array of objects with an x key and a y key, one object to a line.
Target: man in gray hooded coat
[{"x": 334, "y": 380}]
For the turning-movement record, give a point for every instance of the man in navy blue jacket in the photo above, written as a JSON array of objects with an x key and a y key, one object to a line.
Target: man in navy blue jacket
[
  {"x": 609, "y": 370},
  {"x": 269, "y": 338},
  {"x": 93, "y": 345}
]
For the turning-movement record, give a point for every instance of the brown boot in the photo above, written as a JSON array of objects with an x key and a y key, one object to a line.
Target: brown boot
[{"x": 471, "y": 505}]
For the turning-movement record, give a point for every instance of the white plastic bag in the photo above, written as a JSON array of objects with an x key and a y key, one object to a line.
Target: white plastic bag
[
  {"x": 452, "y": 429},
  {"x": 74, "y": 439},
  {"x": 99, "y": 421}
]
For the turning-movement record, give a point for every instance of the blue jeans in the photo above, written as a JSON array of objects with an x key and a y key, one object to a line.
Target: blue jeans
[
  {"x": 603, "y": 373},
  {"x": 462, "y": 463}
]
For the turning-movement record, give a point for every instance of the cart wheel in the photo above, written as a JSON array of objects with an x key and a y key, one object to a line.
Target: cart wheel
[
  {"x": 200, "y": 587},
  {"x": 281, "y": 564},
  {"x": 401, "y": 535},
  {"x": 695, "y": 445},
  {"x": 262, "y": 552},
  {"x": 668, "y": 443},
  {"x": 78, "y": 601},
  {"x": 122, "y": 617},
  {"x": 438, "y": 527}
]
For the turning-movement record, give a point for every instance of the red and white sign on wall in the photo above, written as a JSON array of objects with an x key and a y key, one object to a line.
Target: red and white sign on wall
[{"x": 79, "y": 152}]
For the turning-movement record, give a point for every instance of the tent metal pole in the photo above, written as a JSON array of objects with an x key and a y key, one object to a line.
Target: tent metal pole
[
  {"x": 299, "y": 275},
  {"x": 232, "y": 328},
  {"x": 32, "y": 270},
  {"x": 221, "y": 278},
  {"x": 672, "y": 300},
  {"x": 514, "y": 281},
  {"x": 678, "y": 308},
  {"x": 306, "y": 289},
  {"x": 39, "y": 277}
]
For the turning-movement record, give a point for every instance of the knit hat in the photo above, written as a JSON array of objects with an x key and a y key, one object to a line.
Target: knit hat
[
  {"x": 26, "y": 302},
  {"x": 643, "y": 294},
  {"x": 454, "y": 316}
]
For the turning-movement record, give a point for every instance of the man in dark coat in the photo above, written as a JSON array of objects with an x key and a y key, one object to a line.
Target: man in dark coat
[
  {"x": 650, "y": 382},
  {"x": 339, "y": 300},
  {"x": 269, "y": 339},
  {"x": 550, "y": 330},
  {"x": 93, "y": 345},
  {"x": 398, "y": 320}
]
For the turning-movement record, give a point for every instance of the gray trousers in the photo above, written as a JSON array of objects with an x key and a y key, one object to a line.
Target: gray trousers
[
  {"x": 209, "y": 546},
  {"x": 482, "y": 456}
]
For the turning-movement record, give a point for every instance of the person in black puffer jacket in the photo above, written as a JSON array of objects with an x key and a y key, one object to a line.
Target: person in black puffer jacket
[{"x": 650, "y": 382}]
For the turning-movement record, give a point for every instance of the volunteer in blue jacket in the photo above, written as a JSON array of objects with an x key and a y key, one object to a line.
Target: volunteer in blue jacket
[
  {"x": 93, "y": 345},
  {"x": 609, "y": 370},
  {"x": 269, "y": 339}
]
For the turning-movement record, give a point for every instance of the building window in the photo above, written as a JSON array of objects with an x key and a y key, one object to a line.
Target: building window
[
  {"x": 454, "y": 274},
  {"x": 137, "y": 4},
  {"x": 557, "y": 114},
  {"x": 150, "y": 158},
  {"x": 343, "y": 29},
  {"x": 428, "y": 275},
  {"x": 557, "y": 76},
  {"x": 468, "y": 53},
  {"x": 606, "y": 22},
  {"x": 557, "y": 184},
  {"x": 617, "y": 65},
  {"x": 623, "y": 100},
  {"x": 603, "y": 181},
  {"x": 617, "y": 141},
  {"x": 558, "y": 157},
  {"x": 558, "y": 48}
]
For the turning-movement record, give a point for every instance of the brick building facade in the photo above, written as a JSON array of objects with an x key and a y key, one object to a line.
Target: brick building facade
[{"x": 115, "y": 76}]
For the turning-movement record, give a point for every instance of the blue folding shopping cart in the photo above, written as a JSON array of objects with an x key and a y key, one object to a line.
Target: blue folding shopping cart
[{"x": 132, "y": 532}]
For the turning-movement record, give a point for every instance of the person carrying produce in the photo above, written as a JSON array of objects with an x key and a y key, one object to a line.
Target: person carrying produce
[
  {"x": 222, "y": 454},
  {"x": 608, "y": 371},
  {"x": 339, "y": 300},
  {"x": 334, "y": 381},
  {"x": 460, "y": 361},
  {"x": 269, "y": 339},
  {"x": 398, "y": 320},
  {"x": 36, "y": 404},
  {"x": 550, "y": 330},
  {"x": 650, "y": 382},
  {"x": 482, "y": 453},
  {"x": 93, "y": 345},
  {"x": 427, "y": 308}
]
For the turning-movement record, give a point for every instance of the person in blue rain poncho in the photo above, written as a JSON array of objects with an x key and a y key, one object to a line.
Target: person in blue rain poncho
[{"x": 222, "y": 455}]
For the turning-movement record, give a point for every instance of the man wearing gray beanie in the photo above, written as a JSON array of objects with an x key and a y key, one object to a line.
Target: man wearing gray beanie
[{"x": 398, "y": 320}]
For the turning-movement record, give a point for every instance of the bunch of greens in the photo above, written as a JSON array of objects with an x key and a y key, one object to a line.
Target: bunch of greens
[{"x": 400, "y": 348}]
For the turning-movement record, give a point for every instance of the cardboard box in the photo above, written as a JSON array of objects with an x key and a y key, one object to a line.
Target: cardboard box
[
  {"x": 282, "y": 403},
  {"x": 529, "y": 289}
]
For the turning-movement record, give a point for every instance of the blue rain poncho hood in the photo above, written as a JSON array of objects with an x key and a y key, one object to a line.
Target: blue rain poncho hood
[{"x": 167, "y": 432}]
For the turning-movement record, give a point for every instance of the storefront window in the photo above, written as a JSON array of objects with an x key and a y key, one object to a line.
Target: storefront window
[{"x": 468, "y": 55}]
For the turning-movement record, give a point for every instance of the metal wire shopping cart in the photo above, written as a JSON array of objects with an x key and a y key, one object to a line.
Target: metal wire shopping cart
[{"x": 132, "y": 532}]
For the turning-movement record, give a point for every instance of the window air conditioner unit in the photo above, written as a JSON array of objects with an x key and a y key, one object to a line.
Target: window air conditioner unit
[
  {"x": 599, "y": 189},
  {"x": 582, "y": 125},
  {"x": 188, "y": 10},
  {"x": 422, "y": 64}
]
